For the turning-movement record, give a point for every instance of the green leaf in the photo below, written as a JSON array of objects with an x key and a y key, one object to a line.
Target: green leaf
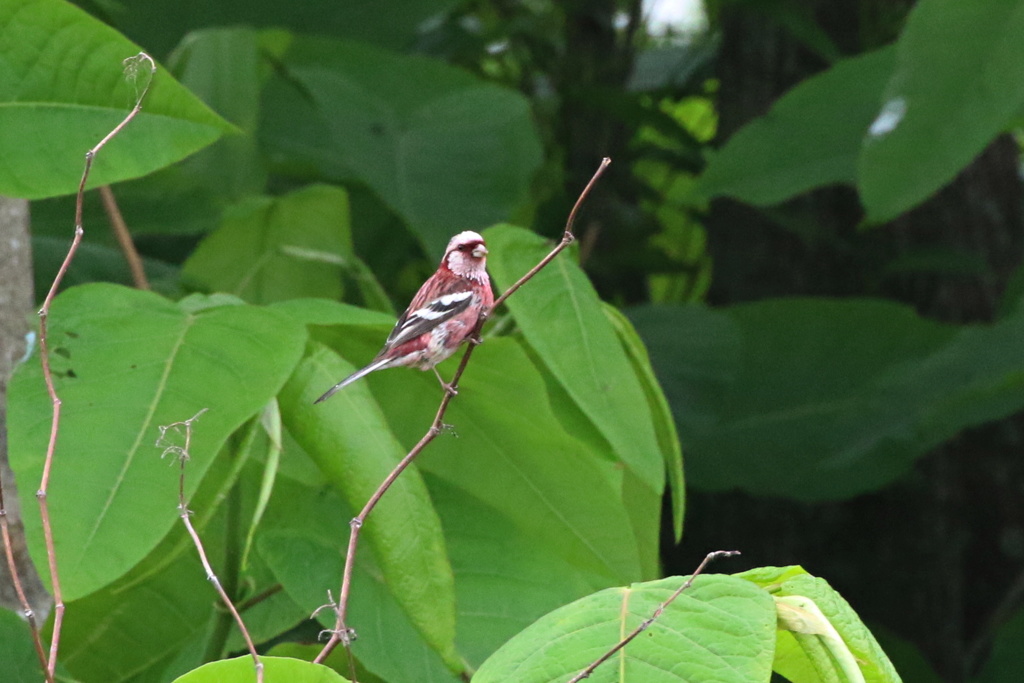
[
  {"x": 240, "y": 670},
  {"x": 18, "y": 661},
  {"x": 803, "y": 652},
  {"x": 664, "y": 424},
  {"x": 509, "y": 450},
  {"x": 562, "y": 319},
  {"x": 93, "y": 263},
  {"x": 222, "y": 66},
  {"x": 127, "y": 362},
  {"x": 350, "y": 441},
  {"x": 819, "y": 399},
  {"x": 322, "y": 312},
  {"x": 811, "y": 136},
  {"x": 717, "y": 629},
  {"x": 337, "y": 659},
  {"x": 63, "y": 91},
  {"x": 270, "y": 421},
  {"x": 444, "y": 150},
  {"x": 307, "y": 559},
  {"x": 958, "y": 82},
  {"x": 204, "y": 503},
  {"x": 248, "y": 254},
  {"x": 175, "y": 602},
  {"x": 270, "y": 618},
  {"x": 505, "y": 579}
]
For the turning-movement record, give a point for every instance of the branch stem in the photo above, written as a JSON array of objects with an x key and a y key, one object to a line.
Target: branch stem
[
  {"x": 44, "y": 353},
  {"x": 644, "y": 625},
  {"x": 19, "y": 589},
  {"x": 124, "y": 238},
  {"x": 182, "y": 452},
  {"x": 341, "y": 633}
]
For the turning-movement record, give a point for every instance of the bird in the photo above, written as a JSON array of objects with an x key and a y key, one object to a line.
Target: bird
[{"x": 444, "y": 312}]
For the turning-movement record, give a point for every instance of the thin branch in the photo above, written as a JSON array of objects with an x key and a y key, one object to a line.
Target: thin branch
[
  {"x": 260, "y": 597},
  {"x": 657, "y": 613},
  {"x": 12, "y": 567},
  {"x": 131, "y": 65},
  {"x": 124, "y": 238},
  {"x": 567, "y": 238},
  {"x": 182, "y": 453},
  {"x": 341, "y": 633}
]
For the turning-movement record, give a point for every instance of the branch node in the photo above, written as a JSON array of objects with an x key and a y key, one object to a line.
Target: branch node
[{"x": 345, "y": 635}]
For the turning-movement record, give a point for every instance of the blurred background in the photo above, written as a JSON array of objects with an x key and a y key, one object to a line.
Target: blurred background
[{"x": 813, "y": 218}]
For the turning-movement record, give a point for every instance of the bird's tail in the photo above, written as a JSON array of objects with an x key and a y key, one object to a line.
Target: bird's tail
[{"x": 376, "y": 365}]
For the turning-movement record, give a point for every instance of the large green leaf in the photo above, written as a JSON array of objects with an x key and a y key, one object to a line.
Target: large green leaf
[
  {"x": 255, "y": 253},
  {"x": 811, "y": 613},
  {"x": 63, "y": 90},
  {"x": 222, "y": 66},
  {"x": 172, "y": 604},
  {"x": 719, "y": 629},
  {"x": 958, "y": 82},
  {"x": 811, "y": 137},
  {"x": 18, "y": 661},
  {"x": 307, "y": 558},
  {"x": 93, "y": 263},
  {"x": 444, "y": 150},
  {"x": 507, "y": 448},
  {"x": 240, "y": 670},
  {"x": 324, "y": 312},
  {"x": 661, "y": 413},
  {"x": 127, "y": 362},
  {"x": 504, "y": 578},
  {"x": 563, "y": 321},
  {"x": 349, "y": 440},
  {"x": 818, "y": 399}
]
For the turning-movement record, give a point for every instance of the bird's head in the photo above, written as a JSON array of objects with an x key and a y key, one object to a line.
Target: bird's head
[{"x": 467, "y": 255}]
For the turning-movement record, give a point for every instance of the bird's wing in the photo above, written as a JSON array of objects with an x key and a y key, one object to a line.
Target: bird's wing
[{"x": 415, "y": 322}]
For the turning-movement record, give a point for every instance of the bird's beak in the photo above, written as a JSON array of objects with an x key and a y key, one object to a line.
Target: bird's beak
[{"x": 479, "y": 251}]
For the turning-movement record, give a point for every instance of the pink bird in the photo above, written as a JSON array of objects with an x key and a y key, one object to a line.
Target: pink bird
[{"x": 443, "y": 313}]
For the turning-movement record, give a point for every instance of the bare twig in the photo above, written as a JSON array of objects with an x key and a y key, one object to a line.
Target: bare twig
[
  {"x": 182, "y": 453},
  {"x": 30, "y": 615},
  {"x": 131, "y": 63},
  {"x": 567, "y": 237},
  {"x": 657, "y": 613},
  {"x": 341, "y": 633},
  {"x": 124, "y": 238},
  {"x": 260, "y": 597}
]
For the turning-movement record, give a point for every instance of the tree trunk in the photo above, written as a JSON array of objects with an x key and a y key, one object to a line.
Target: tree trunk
[{"x": 15, "y": 303}]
